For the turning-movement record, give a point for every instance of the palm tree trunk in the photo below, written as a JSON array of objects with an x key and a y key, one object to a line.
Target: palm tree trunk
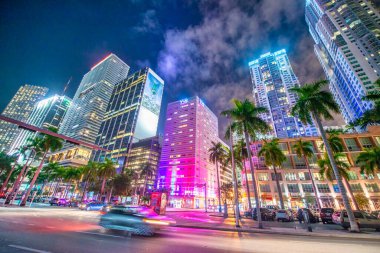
[
  {"x": 102, "y": 189},
  {"x": 258, "y": 212},
  {"x": 31, "y": 185},
  {"x": 145, "y": 183},
  {"x": 279, "y": 190},
  {"x": 85, "y": 188},
  {"x": 313, "y": 184},
  {"x": 218, "y": 178},
  {"x": 350, "y": 214},
  {"x": 9, "y": 175},
  {"x": 246, "y": 180},
  {"x": 351, "y": 193}
]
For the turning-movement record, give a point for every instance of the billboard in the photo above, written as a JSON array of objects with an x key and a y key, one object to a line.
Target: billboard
[{"x": 149, "y": 112}]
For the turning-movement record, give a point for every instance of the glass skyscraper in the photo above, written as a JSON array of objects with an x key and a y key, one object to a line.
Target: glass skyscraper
[
  {"x": 88, "y": 108},
  {"x": 272, "y": 77},
  {"x": 46, "y": 113},
  {"x": 132, "y": 115},
  {"x": 19, "y": 108},
  {"x": 347, "y": 44}
]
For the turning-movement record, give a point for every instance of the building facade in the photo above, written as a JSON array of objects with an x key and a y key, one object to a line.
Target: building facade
[
  {"x": 347, "y": 44},
  {"x": 88, "y": 108},
  {"x": 132, "y": 115},
  {"x": 143, "y": 158},
  {"x": 46, "y": 113},
  {"x": 272, "y": 77},
  {"x": 295, "y": 180},
  {"x": 19, "y": 108},
  {"x": 185, "y": 169}
]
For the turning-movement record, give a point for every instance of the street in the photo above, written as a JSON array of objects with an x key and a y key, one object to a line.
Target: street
[{"x": 70, "y": 230}]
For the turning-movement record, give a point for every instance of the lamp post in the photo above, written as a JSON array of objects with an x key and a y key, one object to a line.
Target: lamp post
[{"x": 237, "y": 212}]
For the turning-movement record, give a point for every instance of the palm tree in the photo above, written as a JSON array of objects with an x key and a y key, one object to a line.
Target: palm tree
[
  {"x": 274, "y": 157},
  {"x": 146, "y": 172},
  {"x": 89, "y": 172},
  {"x": 343, "y": 167},
  {"x": 304, "y": 149},
  {"x": 71, "y": 176},
  {"x": 242, "y": 155},
  {"x": 107, "y": 170},
  {"x": 246, "y": 120},
  {"x": 6, "y": 165},
  {"x": 48, "y": 144},
  {"x": 369, "y": 161},
  {"x": 334, "y": 141},
  {"x": 372, "y": 116},
  {"x": 315, "y": 102},
  {"x": 217, "y": 154}
]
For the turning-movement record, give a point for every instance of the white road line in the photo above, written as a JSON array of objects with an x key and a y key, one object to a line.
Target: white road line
[
  {"x": 28, "y": 249},
  {"x": 92, "y": 233},
  {"x": 31, "y": 224}
]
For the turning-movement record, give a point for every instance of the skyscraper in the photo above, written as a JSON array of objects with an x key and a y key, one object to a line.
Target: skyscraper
[
  {"x": 132, "y": 115},
  {"x": 272, "y": 77},
  {"x": 46, "y": 113},
  {"x": 347, "y": 44},
  {"x": 84, "y": 117},
  {"x": 185, "y": 169},
  {"x": 19, "y": 108}
]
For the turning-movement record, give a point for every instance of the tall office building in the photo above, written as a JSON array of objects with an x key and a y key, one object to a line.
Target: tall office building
[
  {"x": 19, "y": 108},
  {"x": 347, "y": 44},
  {"x": 88, "y": 108},
  {"x": 185, "y": 169},
  {"x": 145, "y": 153},
  {"x": 46, "y": 113},
  {"x": 132, "y": 115},
  {"x": 272, "y": 77}
]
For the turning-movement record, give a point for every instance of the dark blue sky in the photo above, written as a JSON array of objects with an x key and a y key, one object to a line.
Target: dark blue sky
[{"x": 198, "y": 47}]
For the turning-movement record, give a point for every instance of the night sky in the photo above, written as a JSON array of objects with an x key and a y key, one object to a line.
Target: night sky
[{"x": 198, "y": 47}]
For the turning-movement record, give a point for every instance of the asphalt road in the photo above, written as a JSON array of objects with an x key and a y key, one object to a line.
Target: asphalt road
[{"x": 70, "y": 231}]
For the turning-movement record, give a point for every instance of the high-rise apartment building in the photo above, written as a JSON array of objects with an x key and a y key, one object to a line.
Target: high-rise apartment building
[
  {"x": 347, "y": 44},
  {"x": 88, "y": 108},
  {"x": 132, "y": 115},
  {"x": 19, "y": 108},
  {"x": 185, "y": 169},
  {"x": 272, "y": 77},
  {"x": 144, "y": 158},
  {"x": 46, "y": 113}
]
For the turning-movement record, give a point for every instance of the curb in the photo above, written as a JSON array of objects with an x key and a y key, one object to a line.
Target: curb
[{"x": 259, "y": 231}]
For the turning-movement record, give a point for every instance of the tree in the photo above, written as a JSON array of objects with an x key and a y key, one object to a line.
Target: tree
[
  {"x": 315, "y": 102},
  {"x": 369, "y": 161},
  {"x": 343, "y": 167},
  {"x": 334, "y": 141},
  {"x": 147, "y": 172},
  {"x": 217, "y": 153},
  {"x": 362, "y": 201},
  {"x": 89, "y": 173},
  {"x": 246, "y": 120},
  {"x": 122, "y": 183},
  {"x": 274, "y": 157},
  {"x": 48, "y": 144},
  {"x": 107, "y": 170},
  {"x": 242, "y": 155},
  {"x": 6, "y": 168},
  {"x": 304, "y": 149}
]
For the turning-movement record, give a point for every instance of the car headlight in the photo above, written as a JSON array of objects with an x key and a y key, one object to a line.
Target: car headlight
[{"x": 156, "y": 222}]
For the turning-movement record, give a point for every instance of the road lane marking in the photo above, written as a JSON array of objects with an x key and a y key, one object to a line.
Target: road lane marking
[
  {"x": 93, "y": 233},
  {"x": 28, "y": 249},
  {"x": 31, "y": 224},
  {"x": 50, "y": 227}
]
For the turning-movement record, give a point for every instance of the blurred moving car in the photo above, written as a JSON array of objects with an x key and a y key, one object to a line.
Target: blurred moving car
[
  {"x": 364, "y": 220},
  {"x": 284, "y": 215},
  {"x": 137, "y": 220},
  {"x": 92, "y": 206},
  {"x": 326, "y": 215},
  {"x": 58, "y": 202},
  {"x": 336, "y": 217}
]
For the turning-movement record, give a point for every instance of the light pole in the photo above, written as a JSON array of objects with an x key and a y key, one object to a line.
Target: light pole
[
  {"x": 205, "y": 185},
  {"x": 237, "y": 213}
]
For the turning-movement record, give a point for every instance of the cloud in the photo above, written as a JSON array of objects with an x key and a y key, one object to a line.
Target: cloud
[
  {"x": 148, "y": 23},
  {"x": 211, "y": 59}
]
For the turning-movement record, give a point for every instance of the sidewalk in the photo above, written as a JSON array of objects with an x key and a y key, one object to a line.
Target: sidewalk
[{"x": 292, "y": 229}]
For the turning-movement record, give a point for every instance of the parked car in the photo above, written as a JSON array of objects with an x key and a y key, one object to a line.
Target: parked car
[
  {"x": 336, "y": 217},
  {"x": 364, "y": 220},
  {"x": 326, "y": 215},
  {"x": 376, "y": 213},
  {"x": 266, "y": 214},
  {"x": 273, "y": 208},
  {"x": 58, "y": 202},
  {"x": 92, "y": 206},
  {"x": 313, "y": 218},
  {"x": 2, "y": 195},
  {"x": 284, "y": 215},
  {"x": 137, "y": 220}
]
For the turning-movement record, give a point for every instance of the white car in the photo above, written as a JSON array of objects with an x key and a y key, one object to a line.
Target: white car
[{"x": 284, "y": 215}]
